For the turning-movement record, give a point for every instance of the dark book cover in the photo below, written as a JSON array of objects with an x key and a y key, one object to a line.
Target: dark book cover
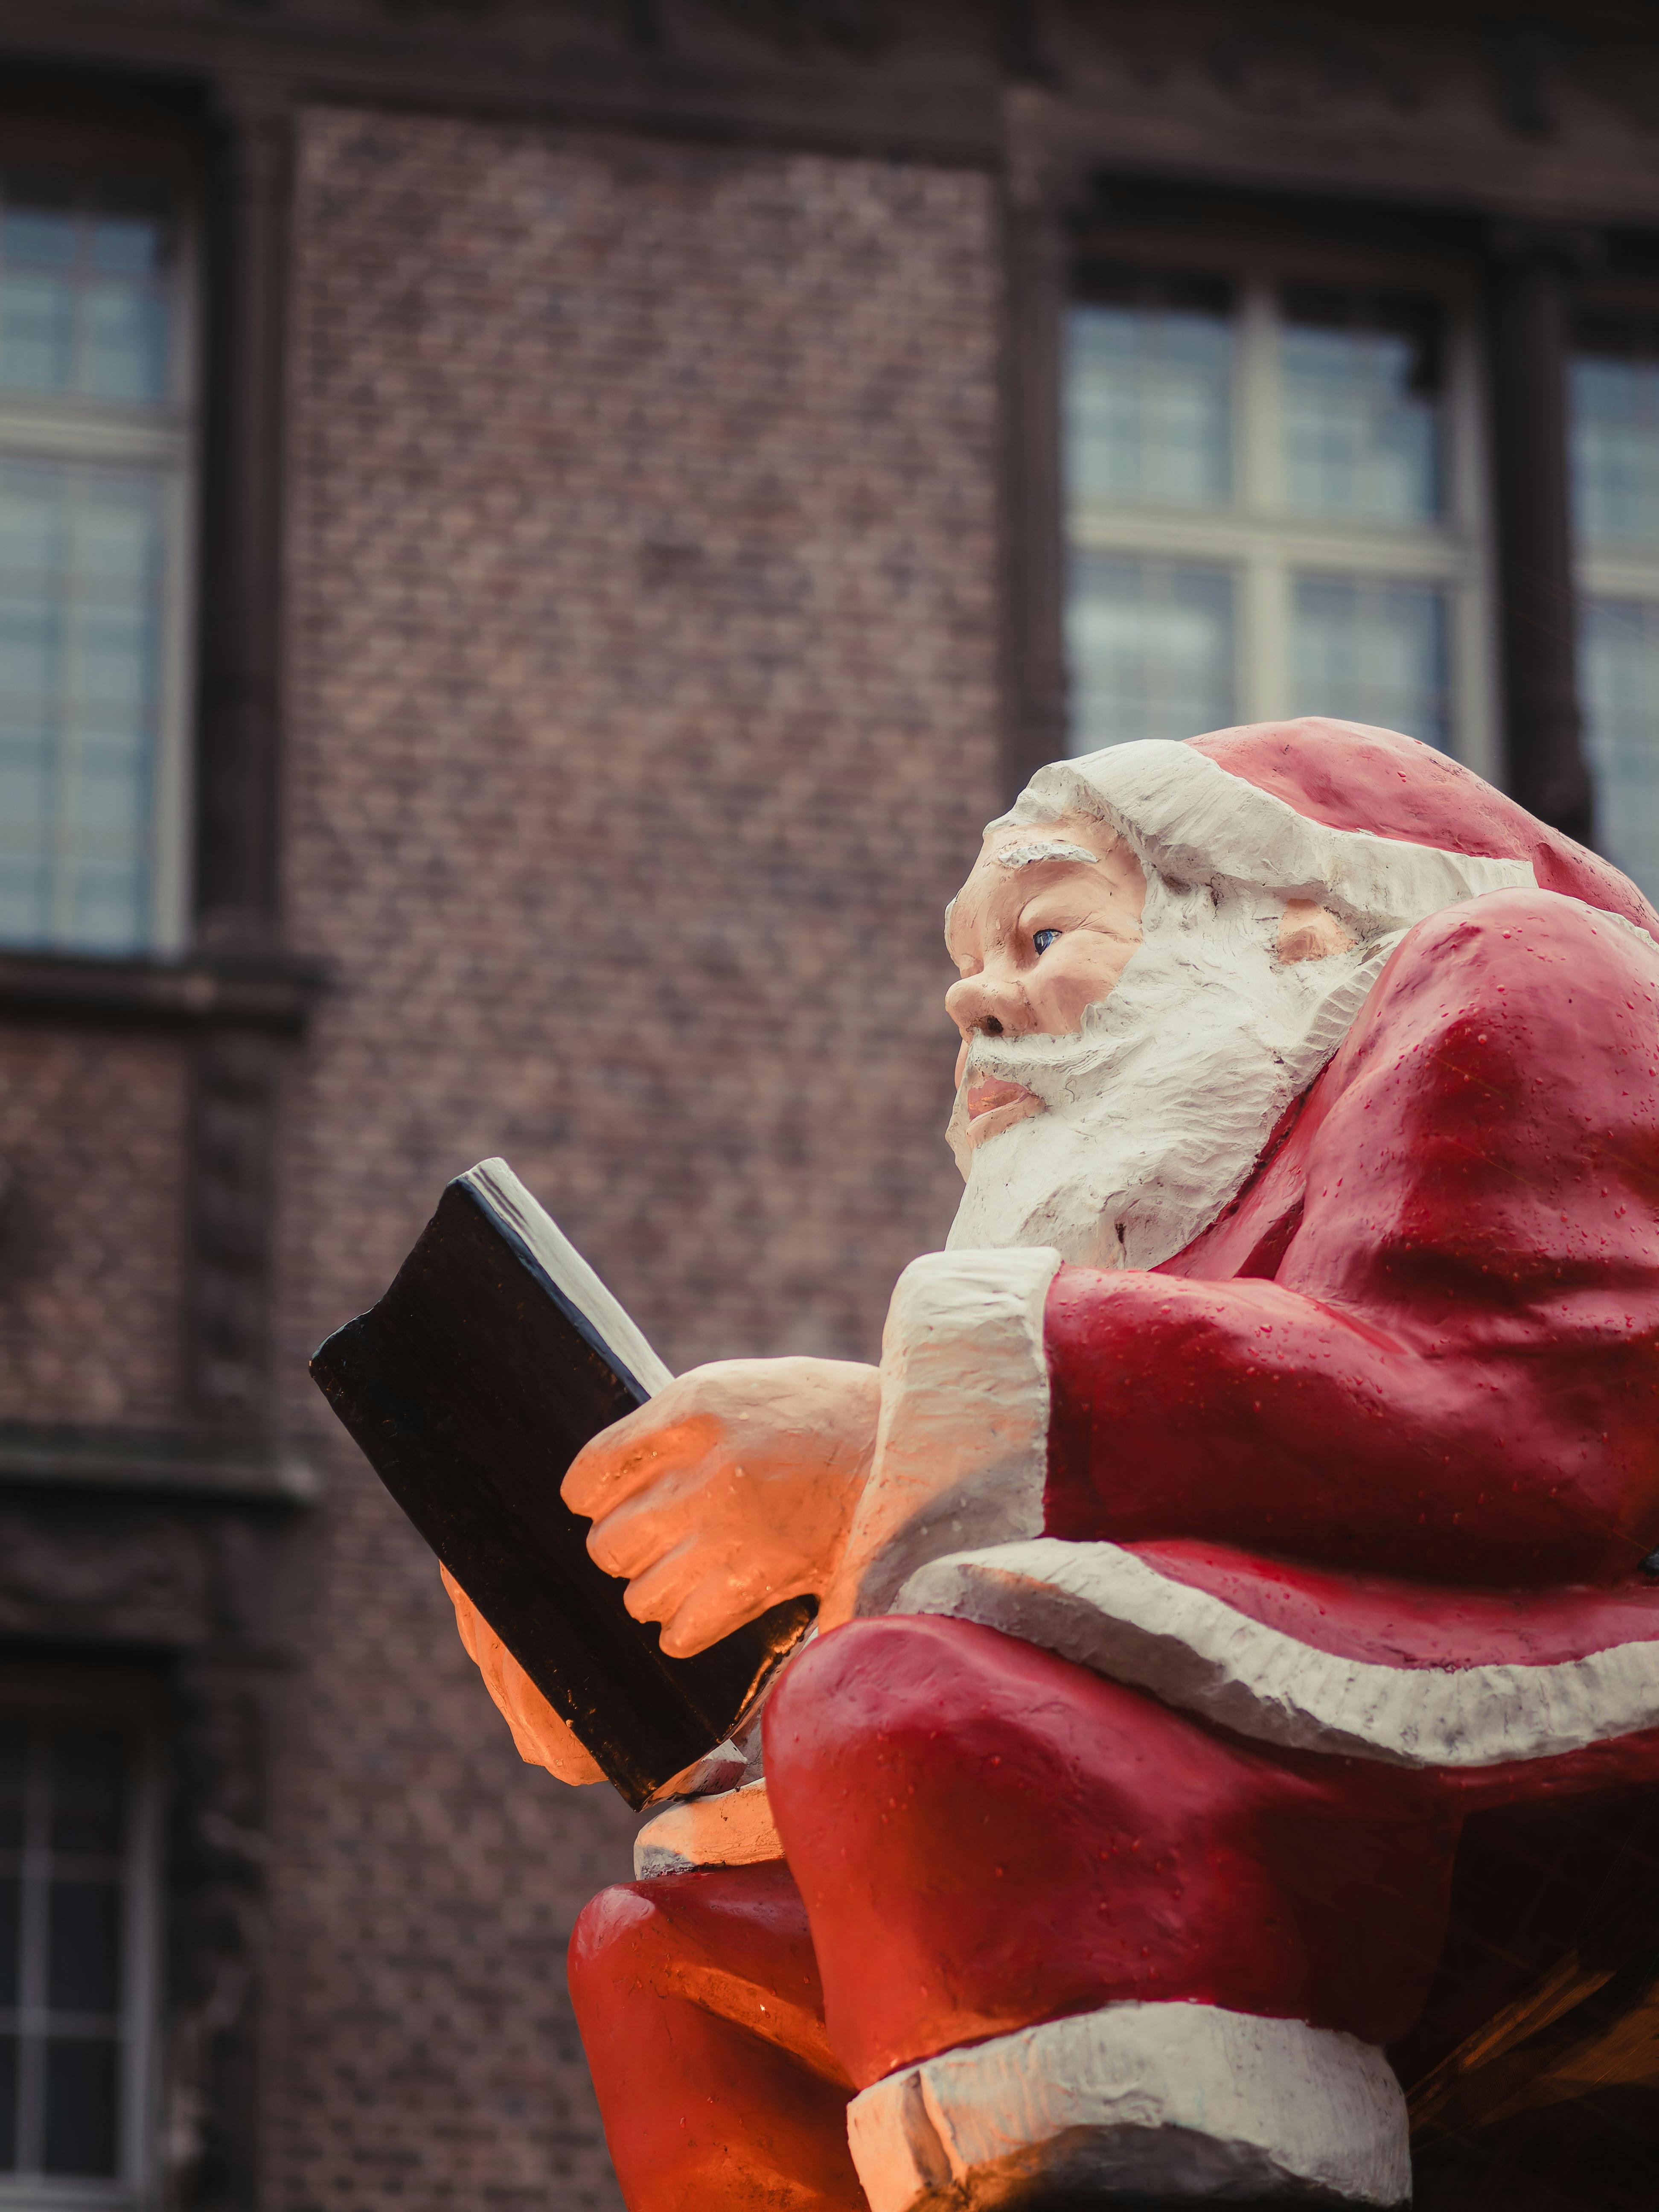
[{"x": 495, "y": 1356}]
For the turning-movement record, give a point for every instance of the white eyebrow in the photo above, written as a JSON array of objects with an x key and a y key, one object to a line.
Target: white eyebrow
[{"x": 1027, "y": 856}]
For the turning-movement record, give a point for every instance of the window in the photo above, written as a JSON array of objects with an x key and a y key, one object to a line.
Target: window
[
  {"x": 96, "y": 457},
  {"x": 78, "y": 1952},
  {"x": 1614, "y": 388},
  {"x": 1274, "y": 506}
]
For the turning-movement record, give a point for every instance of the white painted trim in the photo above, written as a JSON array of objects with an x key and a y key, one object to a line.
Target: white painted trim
[
  {"x": 138, "y": 437},
  {"x": 1172, "y": 2100},
  {"x": 1190, "y": 818},
  {"x": 962, "y": 1444},
  {"x": 1213, "y": 537},
  {"x": 1613, "y": 573},
  {"x": 1113, "y": 1612},
  {"x": 735, "y": 1828}
]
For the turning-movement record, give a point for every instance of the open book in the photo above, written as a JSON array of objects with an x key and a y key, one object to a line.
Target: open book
[{"x": 495, "y": 1356}]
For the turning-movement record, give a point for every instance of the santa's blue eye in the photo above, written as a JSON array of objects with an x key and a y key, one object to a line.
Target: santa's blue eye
[{"x": 1044, "y": 939}]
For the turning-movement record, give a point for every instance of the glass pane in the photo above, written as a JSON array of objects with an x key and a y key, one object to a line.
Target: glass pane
[
  {"x": 105, "y": 902},
  {"x": 89, "y": 1779},
  {"x": 1365, "y": 650},
  {"x": 25, "y": 901},
  {"x": 125, "y": 355},
  {"x": 83, "y": 1947},
  {"x": 29, "y": 644},
  {"x": 129, "y": 244},
  {"x": 81, "y": 582},
  {"x": 37, "y": 333},
  {"x": 85, "y": 306},
  {"x": 37, "y": 230},
  {"x": 1361, "y": 405},
  {"x": 8, "y": 2103},
  {"x": 1615, "y": 433},
  {"x": 1151, "y": 650},
  {"x": 25, "y": 794},
  {"x": 81, "y": 2105},
  {"x": 1148, "y": 396},
  {"x": 1620, "y": 657}
]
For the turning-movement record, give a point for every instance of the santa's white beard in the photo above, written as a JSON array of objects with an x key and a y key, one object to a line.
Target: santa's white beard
[{"x": 1156, "y": 1112}]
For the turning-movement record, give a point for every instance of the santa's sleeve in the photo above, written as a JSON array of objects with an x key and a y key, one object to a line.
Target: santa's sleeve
[{"x": 1454, "y": 1369}]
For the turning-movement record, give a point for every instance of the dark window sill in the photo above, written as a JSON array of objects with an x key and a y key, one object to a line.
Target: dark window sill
[
  {"x": 271, "y": 992},
  {"x": 153, "y": 1463}
]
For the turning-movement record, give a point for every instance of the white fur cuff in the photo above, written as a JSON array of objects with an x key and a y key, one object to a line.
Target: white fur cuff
[
  {"x": 1178, "y": 2101},
  {"x": 962, "y": 1448},
  {"x": 734, "y": 1828}
]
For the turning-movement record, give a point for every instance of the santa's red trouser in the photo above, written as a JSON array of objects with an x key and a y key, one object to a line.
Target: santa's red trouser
[{"x": 979, "y": 1837}]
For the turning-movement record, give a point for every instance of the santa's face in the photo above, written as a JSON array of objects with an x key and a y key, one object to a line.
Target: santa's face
[
  {"x": 1127, "y": 1043},
  {"x": 1042, "y": 931},
  {"x": 1157, "y": 958}
]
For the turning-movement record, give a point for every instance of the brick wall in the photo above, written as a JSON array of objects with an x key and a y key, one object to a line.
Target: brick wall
[
  {"x": 643, "y": 718},
  {"x": 92, "y": 1227}
]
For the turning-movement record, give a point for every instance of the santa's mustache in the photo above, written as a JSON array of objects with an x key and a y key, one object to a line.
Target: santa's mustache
[{"x": 1050, "y": 1067}]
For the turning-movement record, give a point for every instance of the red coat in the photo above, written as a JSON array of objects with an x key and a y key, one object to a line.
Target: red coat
[
  {"x": 1363, "y": 1480},
  {"x": 1424, "y": 1340},
  {"x": 1400, "y": 1402}
]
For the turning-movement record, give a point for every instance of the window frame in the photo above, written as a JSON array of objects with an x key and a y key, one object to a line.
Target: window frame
[
  {"x": 1612, "y": 571},
  {"x": 166, "y": 439},
  {"x": 1262, "y": 542},
  {"x": 131, "y": 1700},
  {"x": 1624, "y": 574}
]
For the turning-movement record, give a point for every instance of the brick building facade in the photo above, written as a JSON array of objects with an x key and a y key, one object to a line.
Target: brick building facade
[
  {"x": 624, "y": 472},
  {"x": 604, "y": 629}
]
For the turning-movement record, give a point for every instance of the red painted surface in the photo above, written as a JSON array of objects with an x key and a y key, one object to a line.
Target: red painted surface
[
  {"x": 984, "y": 1836},
  {"x": 1448, "y": 1365},
  {"x": 1031, "y": 1840},
  {"x": 1393, "y": 787},
  {"x": 702, "y": 2018},
  {"x": 1401, "y": 1402}
]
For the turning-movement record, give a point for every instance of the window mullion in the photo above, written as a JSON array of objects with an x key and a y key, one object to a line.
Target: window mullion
[
  {"x": 1258, "y": 478},
  {"x": 171, "y": 791},
  {"x": 1263, "y": 639},
  {"x": 71, "y": 669},
  {"x": 1264, "y": 675}
]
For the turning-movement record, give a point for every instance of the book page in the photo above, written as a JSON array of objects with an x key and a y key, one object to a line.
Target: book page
[{"x": 494, "y": 1182}]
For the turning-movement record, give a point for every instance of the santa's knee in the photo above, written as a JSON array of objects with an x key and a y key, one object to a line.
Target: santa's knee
[
  {"x": 916, "y": 1728},
  {"x": 616, "y": 1932},
  {"x": 987, "y": 1835},
  {"x": 729, "y": 1929}
]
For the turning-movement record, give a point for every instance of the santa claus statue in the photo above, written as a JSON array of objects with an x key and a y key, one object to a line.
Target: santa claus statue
[{"x": 1257, "y": 1493}]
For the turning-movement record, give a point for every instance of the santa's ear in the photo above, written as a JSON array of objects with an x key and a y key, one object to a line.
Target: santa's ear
[{"x": 1307, "y": 932}]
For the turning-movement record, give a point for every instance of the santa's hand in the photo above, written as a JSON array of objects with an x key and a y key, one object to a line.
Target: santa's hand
[
  {"x": 735, "y": 1487},
  {"x": 542, "y": 1739}
]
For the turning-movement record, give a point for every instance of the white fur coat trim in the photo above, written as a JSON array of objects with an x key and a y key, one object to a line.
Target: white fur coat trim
[
  {"x": 1192, "y": 820},
  {"x": 1111, "y": 1612}
]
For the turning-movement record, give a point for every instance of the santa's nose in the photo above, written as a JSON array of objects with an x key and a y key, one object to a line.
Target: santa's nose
[{"x": 987, "y": 1006}]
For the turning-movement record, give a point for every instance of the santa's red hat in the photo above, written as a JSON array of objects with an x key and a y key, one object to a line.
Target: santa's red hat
[
  {"x": 1380, "y": 827},
  {"x": 1352, "y": 777}
]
